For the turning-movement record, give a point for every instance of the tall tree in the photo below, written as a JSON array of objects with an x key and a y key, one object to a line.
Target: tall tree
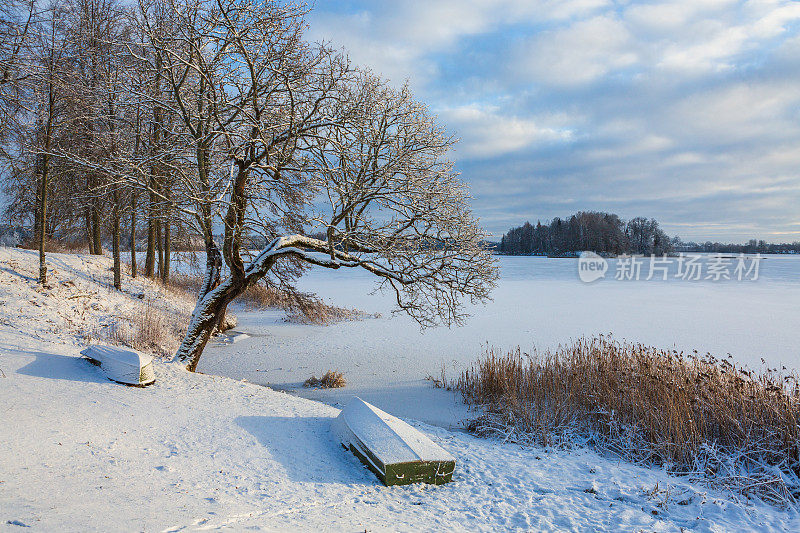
[
  {"x": 42, "y": 92},
  {"x": 262, "y": 113}
]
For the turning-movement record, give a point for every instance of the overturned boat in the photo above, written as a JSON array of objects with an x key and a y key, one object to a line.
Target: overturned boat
[
  {"x": 396, "y": 452},
  {"x": 122, "y": 365}
]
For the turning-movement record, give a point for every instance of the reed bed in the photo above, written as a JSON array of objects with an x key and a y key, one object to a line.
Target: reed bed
[{"x": 693, "y": 414}]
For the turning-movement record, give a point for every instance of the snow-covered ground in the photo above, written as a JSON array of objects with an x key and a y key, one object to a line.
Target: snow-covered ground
[{"x": 204, "y": 452}]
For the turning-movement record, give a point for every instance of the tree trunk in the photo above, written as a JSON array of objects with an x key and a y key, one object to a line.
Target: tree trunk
[
  {"x": 205, "y": 319},
  {"x": 96, "y": 237},
  {"x": 210, "y": 307},
  {"x": 153, "y": 233},
  {"x": 159, "y": 248},
  {"x": 167, "y": 245},
  {"x": 88, "y": 221},
  {"x": 115, "y": 243},
  {"x": 133, "y": 235},
  {"x": 150, "y": 257},
  {"x": 41, "y": 219}
]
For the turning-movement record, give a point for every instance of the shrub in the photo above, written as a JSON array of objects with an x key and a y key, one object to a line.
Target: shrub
[
  {"x": 695, "y": 415},
  {"x": 147, "y": 329},
  {"x": 331, "y": 380}
]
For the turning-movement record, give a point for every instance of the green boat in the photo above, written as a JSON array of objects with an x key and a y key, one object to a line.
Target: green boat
[{"x": 396, "y": 452}]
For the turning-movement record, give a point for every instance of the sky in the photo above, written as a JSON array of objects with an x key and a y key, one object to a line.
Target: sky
[{"x": 686, "y": 111}]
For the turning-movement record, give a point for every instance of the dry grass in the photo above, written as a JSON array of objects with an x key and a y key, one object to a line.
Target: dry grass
[
  {"x": 184, "y": 283},
  {"x": 300, "y": 307},
  {"x": 331, "y": 380},
  {"x": 54, "y": 246},
  {"x": 148, "y": 329},
  {"x": 700, "y": 416}
]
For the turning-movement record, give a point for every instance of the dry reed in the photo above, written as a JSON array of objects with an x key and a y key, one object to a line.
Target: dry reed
[
  {"x": 695, "y": 415},
  {"x": 300, "y": 307},
  {"x": 331, "y": 380},
  {"x": 148, "y": 328}
]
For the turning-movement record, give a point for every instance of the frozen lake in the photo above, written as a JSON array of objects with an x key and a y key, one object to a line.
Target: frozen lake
[{"x": 538, "y": 302}]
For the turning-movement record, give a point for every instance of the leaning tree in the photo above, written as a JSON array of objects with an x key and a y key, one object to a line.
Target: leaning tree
[{"x": 278, "y": 138}]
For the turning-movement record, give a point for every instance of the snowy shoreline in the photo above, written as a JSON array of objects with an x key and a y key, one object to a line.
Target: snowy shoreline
[
  {"x": 539, "y": 302},
  {"x": 204, "y": 452}
]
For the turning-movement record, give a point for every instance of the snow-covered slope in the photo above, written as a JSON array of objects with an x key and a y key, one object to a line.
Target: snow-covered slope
[
  {"x": 80, "y": 303},
  {"x": 199, "y": 452}
]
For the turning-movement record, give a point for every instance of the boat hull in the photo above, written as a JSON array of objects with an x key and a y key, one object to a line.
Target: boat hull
[
  {"x": 122, "y": 365},
  {"x": 397, "y": 453}
]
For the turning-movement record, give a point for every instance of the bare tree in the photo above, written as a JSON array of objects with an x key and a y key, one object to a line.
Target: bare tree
[
  {"x": 222, "y": 66},
  {"x": 18, "y": 19},
  {"x": 393, "y": 205},
  {"x": 40, "y": 101},
  {"x": 259, "y": 132}
]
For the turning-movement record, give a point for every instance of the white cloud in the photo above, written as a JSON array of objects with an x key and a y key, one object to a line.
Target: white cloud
[
  {"x": 675, "y": 15},
  {"x": 580, "y": 53},
  {"x": 698, "y": 37},
  {"x": 684, "y": 37},
  {"x": 394, "y": 38},
  {"x": 684, "y": 110},
  {"x": 741, "y": 112},
  {"x": 486, "y": 132}
]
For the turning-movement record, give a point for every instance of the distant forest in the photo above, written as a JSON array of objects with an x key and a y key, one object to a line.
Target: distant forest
[
  {"x": 753, "y": 246},
  {"x": 608, "y": 234},
  {"x": 604, "y": 233}
]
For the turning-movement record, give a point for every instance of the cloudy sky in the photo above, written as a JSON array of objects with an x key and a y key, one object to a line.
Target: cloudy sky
[{"x": 687, "y": 111}]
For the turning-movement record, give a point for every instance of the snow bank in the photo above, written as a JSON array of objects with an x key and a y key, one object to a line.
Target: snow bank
[
  {"x": 200, "y": 452},
  {"x": 80, "y": 304}
]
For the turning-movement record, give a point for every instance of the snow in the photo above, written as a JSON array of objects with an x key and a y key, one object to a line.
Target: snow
[
  {"x": 203, "y": 452},
  {"x": 539, "y": 302},
  {"x": 121, "y": 364},
  {"x": 79, "y": 301},
  {"x": 386, "y": 437},
  {"x": 196, "y": 452}
]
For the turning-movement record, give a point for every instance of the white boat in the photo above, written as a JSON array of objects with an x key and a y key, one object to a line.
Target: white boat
[
  {"x": 122, "y": 365},
  {"x": 395, "y": 451}
]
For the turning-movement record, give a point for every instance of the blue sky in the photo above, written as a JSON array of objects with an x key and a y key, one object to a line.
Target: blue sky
[{"x": 687, "y": 111}]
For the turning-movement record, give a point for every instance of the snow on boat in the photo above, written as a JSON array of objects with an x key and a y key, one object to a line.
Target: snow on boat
[
  {"x": 395, "y": 451},
  {"x": 122, "y": 365}
]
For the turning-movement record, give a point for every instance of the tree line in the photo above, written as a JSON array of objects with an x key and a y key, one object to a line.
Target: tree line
[
  {"x": 753, "y": 246},
  {"x": 603, "y": 233},
  {"x": 171, "y": 121},
  {"x": 77, "y": 100},
  {"x": 607, "y": 234}
]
